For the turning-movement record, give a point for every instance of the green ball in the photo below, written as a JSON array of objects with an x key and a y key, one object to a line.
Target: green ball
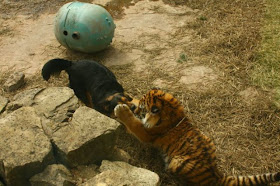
[{"x": 84, "y": 27}]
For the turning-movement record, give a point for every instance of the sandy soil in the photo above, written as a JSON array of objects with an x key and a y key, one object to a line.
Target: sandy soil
[
  {"x": 200, "y": 52},
  {"x": 145, "y": 30}
]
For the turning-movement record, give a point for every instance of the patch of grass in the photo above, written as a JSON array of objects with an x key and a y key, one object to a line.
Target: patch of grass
[
  {"x": 266, "y": 72},
  {"x": 202, "y": 18},
  {"x": 182, "y": 58}
]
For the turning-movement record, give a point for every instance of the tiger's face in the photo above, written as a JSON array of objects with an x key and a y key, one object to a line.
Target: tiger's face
[{"x": 159, "y": 110}]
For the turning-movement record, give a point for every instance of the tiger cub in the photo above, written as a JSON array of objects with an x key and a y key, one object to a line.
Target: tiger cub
[{"x": 187, "y": 152}]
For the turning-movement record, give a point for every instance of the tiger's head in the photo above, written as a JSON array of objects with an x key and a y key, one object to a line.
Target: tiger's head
[{"x": 159, "y": 110}]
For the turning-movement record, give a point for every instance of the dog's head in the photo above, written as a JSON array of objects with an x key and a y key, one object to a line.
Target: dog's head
[{"x": 119, "y": 98}]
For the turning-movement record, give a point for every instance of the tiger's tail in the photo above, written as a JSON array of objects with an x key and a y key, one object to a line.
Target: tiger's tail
[
  {"x": 262, "y": 179},
  {"x": 54, "y": 66}
]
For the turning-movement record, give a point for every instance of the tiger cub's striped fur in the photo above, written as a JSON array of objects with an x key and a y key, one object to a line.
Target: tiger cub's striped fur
[{"x": 188, "y": 153}]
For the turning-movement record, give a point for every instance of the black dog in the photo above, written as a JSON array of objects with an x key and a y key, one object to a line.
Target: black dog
[{"x": 94, "y": 84}]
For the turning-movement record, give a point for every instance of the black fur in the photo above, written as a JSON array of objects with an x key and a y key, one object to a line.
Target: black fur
[{"x": 89, "y": 77}]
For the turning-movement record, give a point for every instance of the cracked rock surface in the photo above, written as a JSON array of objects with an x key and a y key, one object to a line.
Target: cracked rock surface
[
  {"x": 45, "y": 134},
  {"x": 25, "y": 149}
]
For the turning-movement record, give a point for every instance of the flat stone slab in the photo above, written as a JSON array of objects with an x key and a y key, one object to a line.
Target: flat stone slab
[
  {"x": 84, "y": 173},
  {"x": 89, "y": 137},
  {"x": 54, "y": 104},
  {"x": 53, "y": 175},
  {"x": 14, "y": 82},
  {"x": 121, "y": 173},
  {"x": 24, "y": 98}
]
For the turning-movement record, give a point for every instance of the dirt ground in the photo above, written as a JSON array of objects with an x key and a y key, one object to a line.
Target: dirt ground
[{"x": 202, "y": 52}]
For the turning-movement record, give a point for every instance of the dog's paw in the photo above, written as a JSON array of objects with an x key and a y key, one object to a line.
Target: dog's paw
[{"x": 122, "y": 112}]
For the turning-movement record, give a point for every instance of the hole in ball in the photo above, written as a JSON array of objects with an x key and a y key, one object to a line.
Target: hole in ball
[
  {"x": 76, "y": 35},
  {"x": 65, "y": 32}
]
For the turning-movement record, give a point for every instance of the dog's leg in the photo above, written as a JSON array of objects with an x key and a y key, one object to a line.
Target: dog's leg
[{"x": 89, "y": 100}]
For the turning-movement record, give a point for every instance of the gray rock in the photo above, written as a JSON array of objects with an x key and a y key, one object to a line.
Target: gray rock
[
  {"x": 53, "y": 175},
  {"x": 55, "y": 105},
  {"x": 88, "y": 138},
  {"x": 25, "y": 98},
  {"x": 121, "y": 155},
  {"x": 121, "y": 173},
  {"x": 24, "y": 149},
  {"x": 14, "y": 82},
  {"x": 84, "y": 173},
  {"x": 3, "y": 103}
]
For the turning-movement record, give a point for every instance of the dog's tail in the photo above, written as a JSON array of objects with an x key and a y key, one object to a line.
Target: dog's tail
[{"x": 54, "y": 66}]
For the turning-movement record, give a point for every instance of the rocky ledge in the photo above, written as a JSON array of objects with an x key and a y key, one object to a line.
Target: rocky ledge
[{"x": 45, "y": 134}]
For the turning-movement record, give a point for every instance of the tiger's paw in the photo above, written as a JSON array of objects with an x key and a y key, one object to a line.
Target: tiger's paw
[{"x": 123, "y": 113}]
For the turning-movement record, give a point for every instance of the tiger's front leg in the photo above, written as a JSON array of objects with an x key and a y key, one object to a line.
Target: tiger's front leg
[
  {"x": 125, "y": 115},
  {"x": 133, "y": 124}
]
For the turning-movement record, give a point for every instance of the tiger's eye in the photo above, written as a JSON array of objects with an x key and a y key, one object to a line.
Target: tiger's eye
[{"x": 154, "y": 109}]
